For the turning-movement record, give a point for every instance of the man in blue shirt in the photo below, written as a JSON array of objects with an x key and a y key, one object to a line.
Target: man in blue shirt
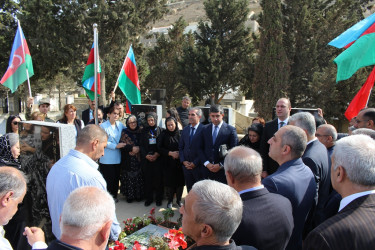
[{"x": 78, "y": 169}]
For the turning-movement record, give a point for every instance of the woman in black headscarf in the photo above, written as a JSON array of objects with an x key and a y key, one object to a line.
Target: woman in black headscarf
[
  {"x": 172, "y": 170},
  {"x": 131, "y": 176},
  {"x": 252, "y": 139},
  {"x": 150, "y": 161}
]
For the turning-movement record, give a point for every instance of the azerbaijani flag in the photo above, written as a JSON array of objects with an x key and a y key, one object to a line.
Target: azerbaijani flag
[
  {"x": 88, "y": 79},
  {"x": 128, "y": 81},
  {"x": 360, "y": 50},
  {"x": 20, "y": 63},
  {"x": 361, "y": 98}
]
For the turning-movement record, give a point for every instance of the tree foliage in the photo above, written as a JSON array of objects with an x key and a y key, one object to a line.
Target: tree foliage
[
  {"x": 163, "y": 61},
  {"x": 222, "y": 57}
]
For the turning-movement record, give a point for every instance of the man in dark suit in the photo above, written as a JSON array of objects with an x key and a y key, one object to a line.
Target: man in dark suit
[
  {"x": 293, "y": 179},
  {"x": 353, "y": 177},
  {"x": 216, "y": 136},
  {"x": 267, "y": 220},
  {"x": 316, "y": 158},
  {"x": 283, "y": 108},
  {"x": 88, "y": 114},
  {"x": 189, "y": 158}
]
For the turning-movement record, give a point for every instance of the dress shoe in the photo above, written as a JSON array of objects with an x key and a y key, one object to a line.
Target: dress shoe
[
  {"x": 169, "y": 205},
  {"x": 147, "y": 203}
]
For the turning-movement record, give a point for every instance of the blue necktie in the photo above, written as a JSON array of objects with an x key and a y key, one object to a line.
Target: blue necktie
[
  {"x": 214, "y": 135},
  {"x": 191, "y": 135},
  {"x": 281, "y": 124}
]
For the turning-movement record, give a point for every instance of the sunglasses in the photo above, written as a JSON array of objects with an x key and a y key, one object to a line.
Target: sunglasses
[{"x": 15, "y": 123}]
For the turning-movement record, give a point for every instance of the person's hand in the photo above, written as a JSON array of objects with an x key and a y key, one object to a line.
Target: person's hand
[
  {"x": 34, "y": 234},
  {"x": 264, "y": 174},
  {"x": 135, "y": 149},
  {"x": 192, "y": 165},
  {"x": 215, "y": 168},
  {"x": 30, "y": 102},
  {"x": 320, "y": 112},
  {"x": 173, "y": 154},
  {"x": 27, "y": 148},
  {"x": 112, "y": 95},
  {"x": 121, "y": 145}
]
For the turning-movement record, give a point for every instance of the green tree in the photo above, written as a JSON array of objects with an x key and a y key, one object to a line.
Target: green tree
[
  {"x": 61, "y": 33},
  {"x": 163, "y": 62},
  {"x": 271, "y": 76},
  {"x": 222, "y": 57}
]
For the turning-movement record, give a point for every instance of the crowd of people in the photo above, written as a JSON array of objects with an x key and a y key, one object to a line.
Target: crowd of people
[{"x": 290, "y": 183}]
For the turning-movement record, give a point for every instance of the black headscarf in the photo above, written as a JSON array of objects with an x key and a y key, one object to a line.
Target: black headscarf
[
  {"x": 153, "y": 115},
  {"x": 6, "y": 156},
  {"x": 176, "y": 130}
]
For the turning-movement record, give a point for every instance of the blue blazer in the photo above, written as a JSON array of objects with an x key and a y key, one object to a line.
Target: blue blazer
[
  {"x": 189, "y": 152},
  {"x": 295, "y": 181},
  {"x": 210, "y": 152}
]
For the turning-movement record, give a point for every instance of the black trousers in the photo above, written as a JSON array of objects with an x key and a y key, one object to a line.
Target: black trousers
[
  {"x": 111, "y": 174},
  {"x": 174, "y": 190},
  {"x": 153, "y": 181}
]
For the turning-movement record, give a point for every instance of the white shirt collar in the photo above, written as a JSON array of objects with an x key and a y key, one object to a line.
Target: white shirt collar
[
  {"x": 311, "y": 141},
  {"x": 195, "y": 127},
  {"x": 285, "y": 121},
  {"x": 345, "y": 201}
]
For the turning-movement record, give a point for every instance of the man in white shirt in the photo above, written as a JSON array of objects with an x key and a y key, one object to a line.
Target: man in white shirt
[
  {"x": 12, "y": 192},
  {"x": 353, "y": 177}
]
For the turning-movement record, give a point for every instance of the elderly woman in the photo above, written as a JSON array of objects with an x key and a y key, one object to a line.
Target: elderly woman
[
  {"x": 252, "y": 139},
  {"x": 10, "y": 150},
  {"x": 150, "y": 161},
  {"x": 131, "y": 173},
  {"x": 12, "y": 124},
  {"x": 172, "y": 170},
  {"x": 110, "y": 162},
  {"x": 70, "y": 117}
]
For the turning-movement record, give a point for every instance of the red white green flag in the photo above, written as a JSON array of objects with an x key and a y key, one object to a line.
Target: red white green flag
[
  {"x": 128, "y": 81},
  {"x": 88, "y": 80},
  {"x": 20, "y": 63}
]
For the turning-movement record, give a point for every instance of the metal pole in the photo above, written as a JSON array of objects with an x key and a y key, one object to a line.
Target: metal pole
[
  {"x": 96, "y": 63},
  {"x": 24, "y": 56}
]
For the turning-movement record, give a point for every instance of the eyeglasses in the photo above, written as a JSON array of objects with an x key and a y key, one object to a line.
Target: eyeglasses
[
  {"x": 132, "y": 122},
  {"x": 359, "y": 121},
  {"x": 319, "y": 135},
  {"x": 15, "y": 123}
]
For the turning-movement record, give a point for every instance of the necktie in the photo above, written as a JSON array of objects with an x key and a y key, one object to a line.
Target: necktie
[
  {"x": 214, "y": 135},
  {"x": 191, "y": 134},
  {"x": 281, "y": 125}
]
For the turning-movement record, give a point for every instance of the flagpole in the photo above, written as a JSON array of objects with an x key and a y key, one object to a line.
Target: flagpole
[
  {"x": 24, "y": 56},
  {"x": 96, "y": 71},
  {"x": 368, "y": 99},
  {"x": 114, "y": 90}
]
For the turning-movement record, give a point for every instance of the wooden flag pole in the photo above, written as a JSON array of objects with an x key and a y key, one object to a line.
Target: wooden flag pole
[
  {"x": 24, "y": 56},
  {"x": 96, "y": 63}
]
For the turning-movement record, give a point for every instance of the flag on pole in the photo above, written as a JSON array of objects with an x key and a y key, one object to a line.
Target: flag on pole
[
  {"x": 88, "y": 79},
  {"x": 361, "y": 98},
  {"x": 20, "y": 63},
  {"x": 128, "y": 81},
  {"x": 358, "y": 55}
]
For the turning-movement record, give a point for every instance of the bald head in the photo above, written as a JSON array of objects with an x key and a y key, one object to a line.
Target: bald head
[
  {"x": 90, "y": 133},
  {"x": 283, "y": 108},
  {"x": 365, "y": 119},
  {"x": 244, "y": 165},
  {"x": 327, "y": 135}
]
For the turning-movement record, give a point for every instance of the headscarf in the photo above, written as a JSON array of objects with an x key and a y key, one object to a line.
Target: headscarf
[
  {"x": 176, "y": 130},
  {"x": 6, "y": 156},
  {"x": 153, "y": 115}
]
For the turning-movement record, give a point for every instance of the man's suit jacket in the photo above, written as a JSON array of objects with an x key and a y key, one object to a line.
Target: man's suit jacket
[
  {"x": 316, "y": 158},
  {"x": 267, "y": 220},
  {"x": 210, "y": 152},
  {"x": 351, "y": 228},
  {"x": 189, "y": 152},
  {"x": 295, "y": 181},
  {"x": 269, "y": 130},
  {"x": 58, "y": 245},
  {"x": 86, "y": 113}
]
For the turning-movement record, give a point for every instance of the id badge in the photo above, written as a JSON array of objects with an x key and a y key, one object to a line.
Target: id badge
[{"x": 152, "y": 141}]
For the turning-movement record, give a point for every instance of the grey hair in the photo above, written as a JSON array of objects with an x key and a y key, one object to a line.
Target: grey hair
[
  {"x": 11, "y": 179},
  {"x": 355, "y": 154},
  {"x": 244, "y": 164},
  {"x": 304, "y": 120},
  {"x": 330, "y": 130},
  {"x": 186, "y": 98},
  {"x": 86, "y": 209},
  {"x": 198, "y": 111},
  {"x": 296, "y": 139},
  {"x": 364, "y": 131},
  {"x": 90, "y": 133},
  {"x": 219, "y": 206},
  {"x": 13, "y": 139}
]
